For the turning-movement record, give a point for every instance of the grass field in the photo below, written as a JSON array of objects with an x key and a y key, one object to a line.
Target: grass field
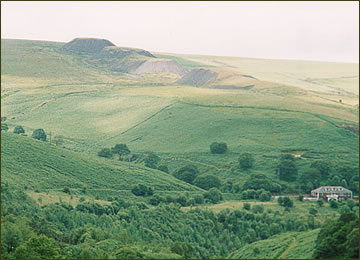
[
  {"x": 39, "y": 166},
  {"x": 293, "y": 106},
  {"x": 290, "y": 245}
]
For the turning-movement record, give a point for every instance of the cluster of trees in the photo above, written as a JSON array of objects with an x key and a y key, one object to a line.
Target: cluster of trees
[
  {"x": 38, "y": 134},
  {"x": 131, "y": 230},
  {"x": 339, "y": 238},
  {"x": 286, "y": 202},
  {"x": 142, "y": 190},
  {"x": 119, "y": 149}
]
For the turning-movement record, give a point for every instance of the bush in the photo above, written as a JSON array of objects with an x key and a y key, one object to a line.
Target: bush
[
  {"x": 300, "y": 198},
  {"x": 246, "y": 206},
  {"x": 163, "y": 168},
  {"x": 19, "y": 129},
  {"x": 287, "y": 170},
  {"x": 151, "y": 160},
  {"x": 207, "y": 181},
  {"x": 213, "y": 195},
  {"x": 4, "y": 127},
  {"x": 218, "y": 148},
  {"x": 320, "y": 202},
  {"x": 39, "y": 134},
  {"x": 334, "y": 204},
  {"x": 313, "y": 211},
  {"x": 181, "y": 200},
  {"x": 265, "y": 196},
  {"x": 246, "y": 161},
  {"x": 66, "y": 190},
  {"x": 187, "y": 173},
  {"x": 285, "y": 202},
  {"x": 142, "y": 190},
  {"x": 121, "y": 150},
  {"x": 257, "y": 209},
  {"x": 199, "y": 199},
  {"x": 105, "y": 152}
]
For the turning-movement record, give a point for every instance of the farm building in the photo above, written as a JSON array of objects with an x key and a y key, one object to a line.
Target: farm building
[{"x": 332, "y": 193}]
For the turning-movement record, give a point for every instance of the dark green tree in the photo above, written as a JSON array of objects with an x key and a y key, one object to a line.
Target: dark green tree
[
  {"x": 163, "y": 168},
  {"x": 105, "y": 152},
  {"x": 265, "y": 196},
  {"x": 323, "y": 167},
  {"x": 39, "y": 134},
  {"x": 286, "y": 202},
  {"x": 187, "y": 173},
  {"x": 246, "y": 161},
  {"x": 151, "y": 160},
  {"x": 120, "y": 149},
  {"x": 182, "y": 248},
  {"x": 287, "y": 170},
  {"x": 257, "y": 181},
  {"x": 128, "y": 253},
  {"x": 19, "y": 129},
  {"x": 218, "y": 148},
  {"x": 38, "y": 247},
  {"x": 338, "y": 238},
  {"x": 207, "y": 181},
  {"x": 213, "y": 195},
  {"x": 4, "y": 127}
]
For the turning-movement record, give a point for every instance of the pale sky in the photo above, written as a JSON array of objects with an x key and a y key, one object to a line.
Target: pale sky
[{"x": 327, "y": 31}]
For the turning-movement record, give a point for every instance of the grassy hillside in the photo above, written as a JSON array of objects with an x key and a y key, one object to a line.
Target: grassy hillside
[
  {"x": 35, "y": 165},
  {"x": 291, "y": 245},
  {"x": 94, "y": 108}
]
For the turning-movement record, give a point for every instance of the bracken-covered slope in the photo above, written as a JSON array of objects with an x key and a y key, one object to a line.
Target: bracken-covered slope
[{"x": 39, "y": 165}]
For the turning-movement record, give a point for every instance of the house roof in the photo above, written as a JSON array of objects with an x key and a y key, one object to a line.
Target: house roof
[{"x": 329, "y": 189}]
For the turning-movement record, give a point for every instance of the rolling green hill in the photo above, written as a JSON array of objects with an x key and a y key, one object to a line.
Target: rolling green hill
[
  {"x": 93, "y": 107},
  {"x": 35, "y": 165},
  {"x": 292, "y": 245}
]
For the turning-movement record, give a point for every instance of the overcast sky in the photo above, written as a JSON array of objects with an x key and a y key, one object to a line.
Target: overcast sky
[{"x": 327, "y": 31}]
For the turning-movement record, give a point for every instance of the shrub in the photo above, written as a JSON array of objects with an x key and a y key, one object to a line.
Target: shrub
[
  {"x": 313, "y": 211},
  {"x": 257, "y": 209},
  {"x": 334, "y": 204},
  {"x": 246, "y": 206},
  {"x": 4, "y": 127},
  {"x": 246, "y": 160},
  {"x": 39, "y": 134},
  {"x": 181, "y": 200},
  {"x": 105, "y": 152},
  {"x": 218, "y": 148},
  {"x": 187, "y": 173},
  {"x": 207, "y": 181},
  {"x": 142, "y": 190},
  {"x": 199, "y": 199},
  {"x": 163, "y": 168},
  {"x": 214, "y": 195},
  {"x": 121, "y": 150},
  {"x": 300, "y": 198},
  {"x": 19, "y": 129},
  {"x": 285, "y": 202},
  {"x": 265, "y": 196},
  {"x": 66, "y": 190},
  {"x": 320, "y": 202},
  {"x": 151, "y": 160},
  {"x": 287, "y": 170}
]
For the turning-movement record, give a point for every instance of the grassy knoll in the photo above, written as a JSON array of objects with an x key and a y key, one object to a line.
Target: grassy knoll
[
  {"x": 35, "y": 165},
  {"x": 290, "y": 245}
]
